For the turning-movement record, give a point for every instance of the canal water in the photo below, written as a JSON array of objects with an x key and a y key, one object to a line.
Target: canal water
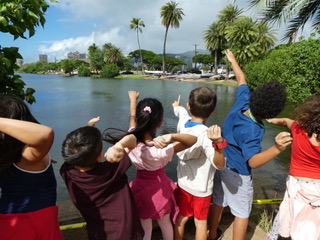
[{"x": 66, "y": 103}]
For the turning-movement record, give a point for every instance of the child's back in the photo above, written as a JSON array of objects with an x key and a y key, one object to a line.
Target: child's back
[
  {"x": 197, "y": 164},
  {"x": 103, "y": 197}
]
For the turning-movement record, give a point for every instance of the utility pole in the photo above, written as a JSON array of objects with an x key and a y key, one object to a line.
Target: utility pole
[{"x": 195, "y": 55}]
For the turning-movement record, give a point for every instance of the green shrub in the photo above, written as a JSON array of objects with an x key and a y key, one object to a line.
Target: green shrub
[
  {"x": 84, "y": 71},
  {"x": 296, "y": 66},
  {"x": 110, "y": 71}
]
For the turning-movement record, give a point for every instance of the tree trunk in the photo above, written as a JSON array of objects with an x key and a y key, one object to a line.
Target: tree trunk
[
  {"x": 215, "y": 62},
  {"x": 140, "y": 52},
  {"x": 164, "y": 51}
]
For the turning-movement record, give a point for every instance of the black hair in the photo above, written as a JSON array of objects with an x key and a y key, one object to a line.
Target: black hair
[
  {"x": 10, "y": 148},
  {"x": 82, "y": 147},
  {"x": 202, "y": 101},
  {"x": 149, "y": 114},
  {"x": 307, "y": 116},
  {"x": 268, "y": 100}
]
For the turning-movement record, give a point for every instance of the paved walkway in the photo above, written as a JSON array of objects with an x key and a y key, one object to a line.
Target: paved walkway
[{"x": 68, "y": 214}]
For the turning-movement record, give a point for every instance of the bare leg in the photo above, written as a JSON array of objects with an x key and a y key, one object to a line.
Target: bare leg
[
  {"x": 240, "y": 226},
  {"x": 147, "y": 227},
  {"x": 179, "y": 227},
  {"x": 201, "y": 229},
  {"x": 214, "y": 220},
  {"x": 166, "y": 227}
]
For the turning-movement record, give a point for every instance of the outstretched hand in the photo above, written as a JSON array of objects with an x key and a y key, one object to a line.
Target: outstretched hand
[
  {"x": 92, "y": 122},
  {"x": 176, "y": 103},
  {"x": 133, "y": 95},
  {"x": 214, "y": 134},
  {"x": 230, "y": 56},
  {"x": 114, "y": 153},
  {"x": 282, "y": 140}
]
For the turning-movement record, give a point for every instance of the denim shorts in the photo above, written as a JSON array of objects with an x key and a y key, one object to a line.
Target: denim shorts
[{"x": 233, "y": 190}]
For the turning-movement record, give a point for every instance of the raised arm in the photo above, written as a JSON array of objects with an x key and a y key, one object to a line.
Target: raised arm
[
  {"x": 181, "y": 141},
  {"x": 236, "y": 68},
  {"x": 133, "y": 96},
  {"x": 115, "y": 153},
  {"x": 92, "y": 122},
  {"x": 282, "y": 140},
  {"x": 214, "y": 134},
  {"x": 283, "y": 122},
  {"x": 38, "y": 138},
  {"x": 176, "y": 103}
]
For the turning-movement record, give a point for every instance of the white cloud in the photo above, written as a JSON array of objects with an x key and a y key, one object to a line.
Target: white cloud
[{"x": 110, "y": 20}]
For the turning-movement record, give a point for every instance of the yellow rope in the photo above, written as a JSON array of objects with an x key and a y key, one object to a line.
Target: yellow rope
[{"x": 259, "y": 201}]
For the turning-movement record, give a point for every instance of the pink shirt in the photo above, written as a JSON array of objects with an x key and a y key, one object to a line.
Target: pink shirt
[{"x": 150, "y": 158}]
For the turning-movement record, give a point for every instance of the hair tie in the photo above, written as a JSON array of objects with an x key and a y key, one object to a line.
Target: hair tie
[{"x": 147, "y": 109}]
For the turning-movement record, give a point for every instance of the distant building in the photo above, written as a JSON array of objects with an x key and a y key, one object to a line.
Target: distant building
[
  {"x": 43, "y": 57},
  {"x": 76, "y": 55},
  {"x": 19, "y": 61}
]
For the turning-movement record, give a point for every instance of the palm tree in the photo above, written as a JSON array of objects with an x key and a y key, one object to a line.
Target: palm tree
[
  {"x": 171, "y": 16},
  {"x": 112, "y": 54},
  {"x": 228, "y": 15},
  {"x": 249, "y": 39},
  {"x": 137, "y": 25},
  {"x": 215, "y": 42},
  {"x": 296, "y": 12}
]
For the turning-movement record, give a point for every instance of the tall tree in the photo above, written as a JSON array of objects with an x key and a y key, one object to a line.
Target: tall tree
[
  {"x": 296, "y": 12},
  {"x": 171, "y": 16},
  {"x": 249, "y": 39},
  {"x": 18, "y": 17},
  {"x": 215, "y": 42},
  {"x": 137, "y": 24},
  {"x": 112, "y": 54}
]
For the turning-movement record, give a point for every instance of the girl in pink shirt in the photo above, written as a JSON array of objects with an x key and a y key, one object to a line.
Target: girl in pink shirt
[{"x": 152, "y": 189}]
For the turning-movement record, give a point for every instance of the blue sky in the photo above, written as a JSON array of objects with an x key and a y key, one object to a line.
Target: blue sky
[{"x": 73, "y": 25}]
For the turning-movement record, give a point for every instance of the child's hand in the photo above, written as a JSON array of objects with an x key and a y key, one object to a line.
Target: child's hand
[
  {"x": 92, "y": 122},
  {"x": 214, "y": 134},
  {"x": 133, "y": 95},
  {"x": 272, "y": 120},
  {"x": 176, "y": 103},
  {"x": 162, "y": 141},
  {"x": 230, "y": 56},
  {"x": 114, "y": 153},
  {"x": 282, "y": 140}
]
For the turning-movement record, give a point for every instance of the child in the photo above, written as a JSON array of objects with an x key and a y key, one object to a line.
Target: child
[
  {"x": 197, "y": 164},
  {"x": 299, "y": 213},
  {"x": 152, "y": 189},
  {"x": 243, "y": 129},
  {"x": 99, "y": 189},
  {"x": 28, "y": 186}
]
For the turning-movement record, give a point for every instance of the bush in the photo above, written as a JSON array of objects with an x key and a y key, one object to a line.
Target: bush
[
  {"x": 110, "y": 71},
  {"x": 296, "y": 66},
  {"x": 84, "y": 71}
]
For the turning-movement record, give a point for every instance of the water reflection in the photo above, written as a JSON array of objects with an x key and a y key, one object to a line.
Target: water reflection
[{"x": 66, "y": 103}]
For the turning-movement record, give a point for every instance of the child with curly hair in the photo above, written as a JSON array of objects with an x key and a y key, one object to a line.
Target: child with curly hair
[
  {"x": 243, "y": 129},
  {"x": 299, "y": 213}
]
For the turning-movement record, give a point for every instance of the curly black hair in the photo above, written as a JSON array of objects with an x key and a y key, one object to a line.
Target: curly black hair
[
  {"x": 268, "y": 100},
  {"x": 307, "y": 115}
]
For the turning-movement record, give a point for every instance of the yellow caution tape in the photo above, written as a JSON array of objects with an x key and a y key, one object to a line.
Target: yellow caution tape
[
  {"x": 73, "y": 226},
  {"x": 259, "y": 201},
  {"x": 267, "y": 201}
]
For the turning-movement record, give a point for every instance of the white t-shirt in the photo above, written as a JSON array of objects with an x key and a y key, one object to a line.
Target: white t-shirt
[{"x": 195, "y": 166}]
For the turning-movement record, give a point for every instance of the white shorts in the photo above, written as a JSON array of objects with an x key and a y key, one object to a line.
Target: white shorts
[{"x": 233, "y": 190}]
